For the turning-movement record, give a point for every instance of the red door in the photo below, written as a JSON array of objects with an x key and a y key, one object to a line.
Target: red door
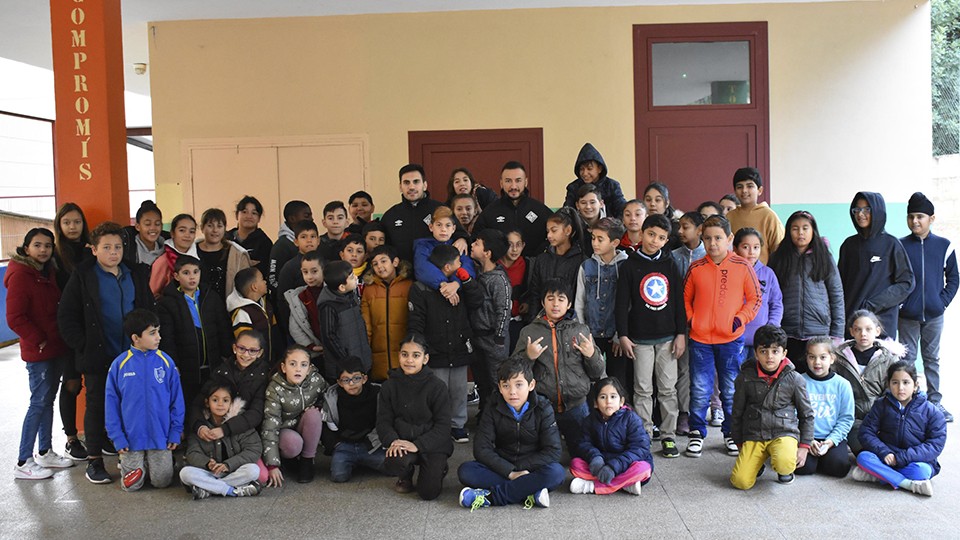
[
  {"x": 482, "y": 151},
  {"x": 701, "y": 105}
]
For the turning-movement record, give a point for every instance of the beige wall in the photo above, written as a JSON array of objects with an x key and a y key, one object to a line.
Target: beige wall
[{"x": 849, "y": 87}]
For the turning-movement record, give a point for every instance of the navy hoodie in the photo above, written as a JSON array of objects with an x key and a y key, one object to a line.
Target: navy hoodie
[
  {"x": 874, "y": 268},
  {"x": 935, "y": 265},
  {"x": 610, "y": 191}
]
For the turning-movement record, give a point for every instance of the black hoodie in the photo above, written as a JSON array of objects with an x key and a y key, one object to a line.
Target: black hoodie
[
  {"x": 610, "y": 192},
  {"x": 874, "y": 267}
]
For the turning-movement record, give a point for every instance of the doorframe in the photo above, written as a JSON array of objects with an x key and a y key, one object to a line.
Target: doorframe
[
  {"x": 645, "y": 35},
  {"x": 421, "y": 143}
]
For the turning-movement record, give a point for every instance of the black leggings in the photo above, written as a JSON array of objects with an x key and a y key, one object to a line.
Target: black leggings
[
  {"x": 834, "y": 463},
  {"x": 68, "y": 399},
  {"x": 433, "y": 467}
]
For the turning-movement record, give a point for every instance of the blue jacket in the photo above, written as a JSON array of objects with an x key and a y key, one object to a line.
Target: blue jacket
[
  {"x": 597, "y": 294},
  {"x": 935, "y": 269},
  {"x": 915, "y": 433},
  {"x": 143, "y": 405},
  {"x": 771, "y": 307},
  {"x": 620, "y": 440},
  {"x": 425, "y": 271}
]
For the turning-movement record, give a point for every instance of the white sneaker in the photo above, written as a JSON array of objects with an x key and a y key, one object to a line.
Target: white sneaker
[
  {"x": 52, "y": 460},
  {"x": 922, "y": 487},
  {"x": 31, "y": 471},
  {"x": 861, "y": 475},
  {"x": 633, "y": 489},
  {"x": 581, "y": 486}
]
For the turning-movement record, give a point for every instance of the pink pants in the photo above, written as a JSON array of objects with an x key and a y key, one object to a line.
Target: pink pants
[
  {"x": 303, "y": 441},
  {"x": 638, "y": 471}
]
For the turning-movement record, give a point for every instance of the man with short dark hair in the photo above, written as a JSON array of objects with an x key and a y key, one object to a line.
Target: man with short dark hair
[
  {"x": 410, "y": 218},
  {"x": 516, "y": 209}
]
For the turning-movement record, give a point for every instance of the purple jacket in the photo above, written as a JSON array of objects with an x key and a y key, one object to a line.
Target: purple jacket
[{"x": 771, "y": 307}]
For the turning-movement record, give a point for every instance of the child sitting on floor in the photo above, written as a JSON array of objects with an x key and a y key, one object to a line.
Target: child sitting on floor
[
  {"x": 516, "y": 447},
  {"x": 615, "y": 447}
]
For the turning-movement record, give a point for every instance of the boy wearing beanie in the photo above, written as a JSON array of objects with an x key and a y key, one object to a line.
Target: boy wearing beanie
[{"x": 921, "y": 315}]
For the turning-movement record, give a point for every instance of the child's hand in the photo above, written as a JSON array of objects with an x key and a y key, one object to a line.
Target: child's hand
[
  {"x": 276, "y": 478},
  {"x": 449, "y": 289},
  {"x": 815, "y": 448},
  {"x": 209, "y": 434},
  {"x": 736, "y": 323},
  {"x": 211, "y": 464},
  {"x": 517, "y": 474},
  {"x": 595, "y": 465},
  {"x": 172, "y": 446},
  {"x": 890, "y": 460},
  {"x": 584, "y": 345},
  {"x": 125, "y": 450},
  {"x": 606, "y": 474},
  {"x": 461, "y": 246},
  {"x": 625, "y": 346},
  {"x": 679, "y": 346},
  {"x": 825, "y": 447},
  {"x": 534, "y": 349},
  {"x": 801, "y": 457},
  {"x": 219, "y": 469},
  {"x": 317, "y": 348}
]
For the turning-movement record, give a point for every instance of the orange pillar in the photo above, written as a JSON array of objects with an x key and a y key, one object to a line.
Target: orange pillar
[{"x": 90, "y": 153}]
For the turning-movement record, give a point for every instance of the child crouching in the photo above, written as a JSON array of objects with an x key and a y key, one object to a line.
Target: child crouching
[
  {"x": 350, "y": 413},
  {"x": 143, "y": 405},
  {"x": 771, "y": 412},
  {"x": 517, "y": 446},
  {"x": 227, "y": 466},
  {"x": 615, "y": 446}
]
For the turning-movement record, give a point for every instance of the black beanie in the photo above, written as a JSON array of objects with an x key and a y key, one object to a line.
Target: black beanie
[
  {"x": 919, "y": 204},
  {"x": 747, "y": 173}
]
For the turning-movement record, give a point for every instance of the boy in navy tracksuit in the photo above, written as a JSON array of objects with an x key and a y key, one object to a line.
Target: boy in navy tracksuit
[
  {"x": 934, "y": 265},
  {"x": 144, "y": 405}
]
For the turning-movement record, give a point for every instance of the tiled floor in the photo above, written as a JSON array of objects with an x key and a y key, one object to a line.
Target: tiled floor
[{"x": 687, "y": 498}]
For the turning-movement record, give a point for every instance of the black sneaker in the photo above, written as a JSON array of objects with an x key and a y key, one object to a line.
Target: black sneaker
[
  {"x": 473, "y": 397},
  {"x": 305, "y": 471},
  {"x": 75, "y": 451},
  {"x": 459, "y": 435},
  {"x": 108, "y": 449},
  {"x": 97, "y": 473},
  {"x": 946, "y": 414},
  {"x": 785, "y": 478},
  {"x": 669, "y": 448},
  {"x": 199, "y": 493}
]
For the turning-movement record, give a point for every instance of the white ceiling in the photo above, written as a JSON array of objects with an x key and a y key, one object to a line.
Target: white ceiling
[{"x": 25, "y": 24}]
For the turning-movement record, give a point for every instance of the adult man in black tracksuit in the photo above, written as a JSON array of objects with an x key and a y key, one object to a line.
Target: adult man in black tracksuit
[
  {"x": 410, "y": 218},
  {"x": 515, "y": 209}
]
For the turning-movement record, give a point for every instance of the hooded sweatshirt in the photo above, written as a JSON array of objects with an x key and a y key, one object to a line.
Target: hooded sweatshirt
[
  {"x": 282, "y": 251},
  {"x": 596, "y": 293},
  {"x": 874, "y": 268},
  {"x": 610, "y": 192}
]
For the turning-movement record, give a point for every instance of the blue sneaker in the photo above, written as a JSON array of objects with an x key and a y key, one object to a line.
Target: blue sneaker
[{"x": 474, "y": 498}]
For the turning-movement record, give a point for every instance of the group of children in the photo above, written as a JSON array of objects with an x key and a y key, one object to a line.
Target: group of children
[{"x": 616, "y": 333}]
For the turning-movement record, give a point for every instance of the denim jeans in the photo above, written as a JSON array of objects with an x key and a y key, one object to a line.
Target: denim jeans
[
  {"x": 504, "y": 491},
  {"x": 44, "y": 378},
  {"x": 348, "y": 455},
  {"x": 928, "y": 334},
  {"x": 570, "y": 423},
  {"x": 724, "y": 359},
  {"x": 875, "y": 465}
]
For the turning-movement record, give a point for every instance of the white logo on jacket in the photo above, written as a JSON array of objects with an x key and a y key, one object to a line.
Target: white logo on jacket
[
  {"x": 159, "y": 373},
  {"x": 875, "y": 258}
]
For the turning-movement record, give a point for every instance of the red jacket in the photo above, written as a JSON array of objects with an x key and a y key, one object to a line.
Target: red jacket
[
  {"x": 32, "y": 298},
  {"x": 716, "y": 293}
]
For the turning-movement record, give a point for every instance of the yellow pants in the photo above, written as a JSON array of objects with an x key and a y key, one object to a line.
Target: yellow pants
[{"x": 782, "y": 452}]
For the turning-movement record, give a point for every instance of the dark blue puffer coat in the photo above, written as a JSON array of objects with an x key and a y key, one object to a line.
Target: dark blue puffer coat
[
  {"x": 915, "y": 433},
  {"x": 620, "y": 441}
]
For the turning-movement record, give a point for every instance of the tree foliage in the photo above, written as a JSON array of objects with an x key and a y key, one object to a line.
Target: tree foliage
[{"x": 945, "y": 63}]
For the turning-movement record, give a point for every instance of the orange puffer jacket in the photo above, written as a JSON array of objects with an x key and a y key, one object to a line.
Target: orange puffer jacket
[{"x": 384, "y": 308}]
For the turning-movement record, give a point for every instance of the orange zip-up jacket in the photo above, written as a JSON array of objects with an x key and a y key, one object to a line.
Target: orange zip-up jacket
[{"x": 716, "y": 293}]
